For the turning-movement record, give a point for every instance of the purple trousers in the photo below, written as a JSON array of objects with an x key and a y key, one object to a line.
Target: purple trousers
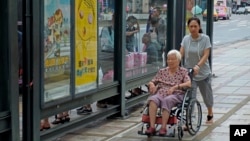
[{"x": 167, "y": 102}]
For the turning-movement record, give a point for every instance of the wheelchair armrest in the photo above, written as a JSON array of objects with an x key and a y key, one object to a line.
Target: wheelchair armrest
[{"x": 187, "y": 89}]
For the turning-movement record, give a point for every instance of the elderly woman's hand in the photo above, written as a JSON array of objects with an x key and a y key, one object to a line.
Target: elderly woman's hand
[
  {"x": 152, "y": 88},
  {"x": 171, "y": 90}
]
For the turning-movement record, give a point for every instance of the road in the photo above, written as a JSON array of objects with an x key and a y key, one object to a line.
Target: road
[{"x": 226, "y": 31}]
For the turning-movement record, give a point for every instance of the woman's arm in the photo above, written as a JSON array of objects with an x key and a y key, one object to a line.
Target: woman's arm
[
  {"x": 137, "y": 26},
  {"x": 129, "y": 33},
  {"x": 184, "y": 85},
  {"x": 151, "y": 87},
  {"x": 204, "y": 58},
  {"x": 182, "y": 51},
  {"x": 181, "y": 86}
]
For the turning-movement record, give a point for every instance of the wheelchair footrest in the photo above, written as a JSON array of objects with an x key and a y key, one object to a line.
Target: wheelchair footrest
[{"x": 170, "y": 132}]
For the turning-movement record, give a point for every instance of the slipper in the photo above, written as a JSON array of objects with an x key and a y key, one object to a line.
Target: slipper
[{"x": 209, "y": 119}]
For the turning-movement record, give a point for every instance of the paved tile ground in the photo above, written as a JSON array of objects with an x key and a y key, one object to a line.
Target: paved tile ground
[{"x": 231, "y": 85}]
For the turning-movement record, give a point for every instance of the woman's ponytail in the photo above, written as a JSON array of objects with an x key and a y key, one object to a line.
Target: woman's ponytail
[{"x": 200, "y": 30}]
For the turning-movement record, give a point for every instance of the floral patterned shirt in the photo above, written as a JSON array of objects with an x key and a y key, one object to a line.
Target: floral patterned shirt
[{"x": 164, "y": 80}]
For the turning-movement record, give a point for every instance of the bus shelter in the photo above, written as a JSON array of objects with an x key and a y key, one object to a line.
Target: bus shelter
[{"x": 65, "y": 64}]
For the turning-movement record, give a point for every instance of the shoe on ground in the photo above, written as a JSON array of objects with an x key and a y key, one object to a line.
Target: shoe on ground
[
  {"x": 79, "y": 109},
  {"x": 131, "y": 96},
  {"x": 162, "y": 132},
  {"x": 209, "y": 119},
  {"x": 150, "y": 131},
  {"x": 84, "y": 111},
  {"x": 101, "y": 105}
]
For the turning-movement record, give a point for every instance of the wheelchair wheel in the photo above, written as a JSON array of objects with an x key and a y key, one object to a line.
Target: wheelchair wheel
[
  {"x": 193, "y": 116},
  {"x": 180, "y": 133}
]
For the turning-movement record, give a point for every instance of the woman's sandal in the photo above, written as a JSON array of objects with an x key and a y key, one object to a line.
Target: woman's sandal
[
  {"x": 58, "y": 120},
  {"x": 66, "y": 118},
  {"x": 135, "y": 92},
  {"x": 42, "y": 127},
  {"x": 209, "y": 119}
]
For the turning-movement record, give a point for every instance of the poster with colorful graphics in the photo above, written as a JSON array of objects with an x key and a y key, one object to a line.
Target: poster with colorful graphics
[
  {"x": 85, "y": 45},
  {"x": 56, "y": 39}
]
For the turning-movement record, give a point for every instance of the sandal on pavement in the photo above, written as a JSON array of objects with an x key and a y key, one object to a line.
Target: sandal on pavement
[
  {"x": 209, "y": 119},
  {"x": 58, "y": 120},
  {"x": 43, "y": 127},
  {"x": 66, "y": 118},
  {"x": 101, "y": 105}
]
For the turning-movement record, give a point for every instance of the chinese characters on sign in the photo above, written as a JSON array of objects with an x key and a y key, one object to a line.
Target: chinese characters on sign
[
  {"x": 56, "y": 49},
  {"x": 85, "y": 45}
]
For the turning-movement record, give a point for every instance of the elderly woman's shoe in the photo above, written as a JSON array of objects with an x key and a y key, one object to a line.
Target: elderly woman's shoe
[
  {"x": 150, "y": 131},
  {"x": 162, "y": 132}
]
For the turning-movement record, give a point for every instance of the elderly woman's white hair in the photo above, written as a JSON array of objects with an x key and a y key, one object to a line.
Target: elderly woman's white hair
[{"x": 176, "y": 53}]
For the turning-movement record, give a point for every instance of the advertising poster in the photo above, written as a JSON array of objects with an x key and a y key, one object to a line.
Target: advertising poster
[
  {"x": 85, "y": 45},
  {"x": 56, "y": 49}
]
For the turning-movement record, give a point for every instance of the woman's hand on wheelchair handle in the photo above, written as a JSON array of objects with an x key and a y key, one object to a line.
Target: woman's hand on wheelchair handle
[{"x": 196, "y": 70}]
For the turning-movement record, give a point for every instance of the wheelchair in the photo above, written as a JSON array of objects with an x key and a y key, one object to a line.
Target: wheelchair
[{"x": 188, "y": 114}]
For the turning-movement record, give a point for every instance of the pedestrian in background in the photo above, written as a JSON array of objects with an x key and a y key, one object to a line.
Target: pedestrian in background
[
  {"x": 161, "y": 25},
  {"x": 149, "y": 47},
  {"x": 132, "y": 28},
  {"x": 195, "y": 49}
]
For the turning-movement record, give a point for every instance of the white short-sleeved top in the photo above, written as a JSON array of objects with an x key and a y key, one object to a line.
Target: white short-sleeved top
[{"x": 194, "y": 49}]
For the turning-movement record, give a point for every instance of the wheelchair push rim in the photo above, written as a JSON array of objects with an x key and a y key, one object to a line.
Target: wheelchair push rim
[{"x": 193, "y": 117}]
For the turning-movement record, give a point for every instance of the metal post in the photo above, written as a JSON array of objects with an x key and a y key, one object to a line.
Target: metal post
[
  {"x": 119, "y": 65},
  {"x": 4, "y": 75},
  {"x": 170, "y": 26},
  {"x": 179, "y": 22},
  {"x": 9, "y": 119},
  {"x": 175, "y": 26},
  {"x": 210, "y": 9},
  {"x": 31, "y": 113}
]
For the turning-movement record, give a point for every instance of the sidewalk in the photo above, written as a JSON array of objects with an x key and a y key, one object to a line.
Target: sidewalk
[{"x": 231, "y": 86}]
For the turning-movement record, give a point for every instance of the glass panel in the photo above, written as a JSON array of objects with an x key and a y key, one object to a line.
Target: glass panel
[
  {"x": 85, "y": 45},
  {"x": 197, "y": 8},
  {"x": 56, "y": 49},
  {"x": 145, "y": 36},
  {"x": 106, "y": 41}
]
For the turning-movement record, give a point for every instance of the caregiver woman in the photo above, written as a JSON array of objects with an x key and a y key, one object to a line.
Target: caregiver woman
[{"x": 195, "y": 49}]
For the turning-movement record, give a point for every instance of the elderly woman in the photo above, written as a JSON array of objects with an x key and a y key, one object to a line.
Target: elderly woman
[{"x": 167, "y": 89}]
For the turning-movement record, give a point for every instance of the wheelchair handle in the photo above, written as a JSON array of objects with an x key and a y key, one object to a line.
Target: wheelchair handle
[{"x": 190, "y": 72}]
